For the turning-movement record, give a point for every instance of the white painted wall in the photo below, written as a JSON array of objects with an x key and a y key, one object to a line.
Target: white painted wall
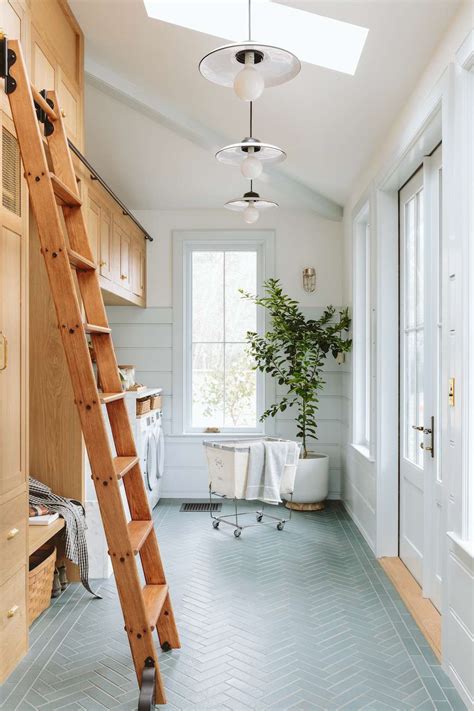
[
  {"x": 364, "y": 481},
  {"x": 144, "y": 336}
]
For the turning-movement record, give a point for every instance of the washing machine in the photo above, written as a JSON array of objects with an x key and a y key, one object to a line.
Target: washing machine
[{"x": 151, "y": 450}]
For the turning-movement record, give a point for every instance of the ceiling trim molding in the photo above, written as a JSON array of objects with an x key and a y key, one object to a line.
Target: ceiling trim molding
[{"x": 167, "y": 115}]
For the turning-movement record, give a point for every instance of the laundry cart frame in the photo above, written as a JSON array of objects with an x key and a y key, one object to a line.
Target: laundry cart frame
[{"x": 240, "y": 480}]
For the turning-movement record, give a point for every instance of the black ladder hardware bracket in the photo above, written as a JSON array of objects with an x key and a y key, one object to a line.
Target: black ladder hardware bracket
[
  {"x": 146, "y": 700},
  {"x": 7, "y": 60},
  {"x": 43, "y": 117}
]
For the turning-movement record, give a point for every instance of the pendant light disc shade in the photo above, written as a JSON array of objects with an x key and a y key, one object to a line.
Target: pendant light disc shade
[
  {"x": 240, "y": 204},
  {"x": 276, "y": 65},
  {"x": 235, "y": 153}
]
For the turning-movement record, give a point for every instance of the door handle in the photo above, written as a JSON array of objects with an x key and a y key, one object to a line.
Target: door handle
[
  {"x": 428, "y": 431},
  {"x": 420, "y": 428},
  {"x": 3, "y": 352}
]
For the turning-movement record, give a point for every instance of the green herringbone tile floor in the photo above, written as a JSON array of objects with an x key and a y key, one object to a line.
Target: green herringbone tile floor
[{"x": 301, "y": 619}]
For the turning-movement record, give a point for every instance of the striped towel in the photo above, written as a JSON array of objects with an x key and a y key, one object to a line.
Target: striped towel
[{"x": 75, "y": 523}]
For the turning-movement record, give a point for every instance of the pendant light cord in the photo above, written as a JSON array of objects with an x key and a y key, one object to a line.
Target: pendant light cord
[
  {"x": 250, "y": 20},
  {"x": 251, "y": 119}
]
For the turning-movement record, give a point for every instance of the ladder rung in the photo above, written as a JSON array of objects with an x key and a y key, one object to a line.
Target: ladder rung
[
  {"x": 123, "y": 465},
  {"x": 138, "y": 532},
  {"x": 92, "y": 328},
  {"x": 110, "y": 397},
  {"x": 77, "y": 261},
  {"x": 64, "y": 196},
  {"x": 43, "y": 103},
  {"x": 154, "y": 597}
]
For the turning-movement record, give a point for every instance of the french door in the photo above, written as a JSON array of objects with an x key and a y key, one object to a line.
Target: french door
[{"x": 421, "y": 483}]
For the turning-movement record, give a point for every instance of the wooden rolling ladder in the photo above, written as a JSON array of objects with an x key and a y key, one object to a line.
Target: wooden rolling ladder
[{"x": 145, "y": 607}]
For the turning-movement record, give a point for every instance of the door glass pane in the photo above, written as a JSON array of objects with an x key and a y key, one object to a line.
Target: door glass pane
[
  {"x": 420, "y": 281},
  {"x": 413, "y": 328}
]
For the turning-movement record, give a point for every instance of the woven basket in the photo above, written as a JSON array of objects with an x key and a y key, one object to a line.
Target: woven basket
[
  {"x": 40, "y": 580},
  {"x": 143, "y": 406},
  {"x": 155, "y": 402}
]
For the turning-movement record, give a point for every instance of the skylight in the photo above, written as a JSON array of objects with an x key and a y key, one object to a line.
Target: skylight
[{"x": 313, "y": 38}]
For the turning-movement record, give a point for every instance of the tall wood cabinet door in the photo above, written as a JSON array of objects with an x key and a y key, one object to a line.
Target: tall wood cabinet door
[
  {"x": 137, "y": 261},
  {"x": 70, "y": 108},
  {"x": 12, "y": 319},
  {"x": 93, "y": 225},
  {"x": 43, "y": 65},
  {"x": 106, "y": 244},
  {"x": 125, "y": 279}
]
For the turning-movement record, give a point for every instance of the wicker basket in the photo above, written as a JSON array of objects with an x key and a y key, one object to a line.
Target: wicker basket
[
  {"x": 40, "y": 580},
  {"x": 143, "y": 406},
  {"x": 155, "y": 402}
]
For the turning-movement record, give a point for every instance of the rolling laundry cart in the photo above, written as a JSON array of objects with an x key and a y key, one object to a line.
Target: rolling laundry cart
[{"x": 227, "y": 468}]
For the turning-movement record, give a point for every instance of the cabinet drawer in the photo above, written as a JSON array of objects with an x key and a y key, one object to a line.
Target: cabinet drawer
[
  {"x": 13, "y": 518},
  {"x": 13, "y": 626}
]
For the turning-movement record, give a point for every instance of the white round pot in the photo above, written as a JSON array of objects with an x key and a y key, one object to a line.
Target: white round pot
[{"x": 311, "y": 481}]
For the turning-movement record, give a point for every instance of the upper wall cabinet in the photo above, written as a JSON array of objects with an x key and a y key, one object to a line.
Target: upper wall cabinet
[
  {"x": 118, "y": 245},
  {"x": 57, "y": 47}
]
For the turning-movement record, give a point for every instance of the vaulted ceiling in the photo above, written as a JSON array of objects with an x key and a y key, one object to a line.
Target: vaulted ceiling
[{"x": 152, "y": 121}]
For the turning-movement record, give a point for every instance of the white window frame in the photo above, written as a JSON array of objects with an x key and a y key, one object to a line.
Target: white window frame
[
  {"x": 185, "y": 242},
  {"x": 363, "y": 335}
]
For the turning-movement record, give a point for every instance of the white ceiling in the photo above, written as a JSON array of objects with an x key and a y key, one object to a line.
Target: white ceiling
[{"x": 157, "y": 154}]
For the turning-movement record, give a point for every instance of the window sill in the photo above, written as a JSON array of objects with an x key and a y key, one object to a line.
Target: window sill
[{"x": 363, "y": 451}]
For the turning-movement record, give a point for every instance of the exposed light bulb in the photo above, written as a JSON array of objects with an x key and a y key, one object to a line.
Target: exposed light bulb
[
  {"x": 251, "y": 214},
  {"x": 251, "y": 167},
  {"x": 249, "y": 83}
]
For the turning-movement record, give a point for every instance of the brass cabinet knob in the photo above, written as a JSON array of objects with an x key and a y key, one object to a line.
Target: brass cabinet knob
[
  {"x": 102, "y": 264},
  {"x": 63, "y": 113},
  {"x": 12, "y": 533},
  {"x": 123, "y": 276},
  {"x": 12, "y": 611}
]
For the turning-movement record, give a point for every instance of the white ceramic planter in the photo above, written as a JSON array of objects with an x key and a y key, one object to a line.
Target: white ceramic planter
[{"x": 311, "y": 481}]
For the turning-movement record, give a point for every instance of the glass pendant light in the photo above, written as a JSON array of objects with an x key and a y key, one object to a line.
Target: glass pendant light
[
  {"x": 249, "y": 66},
  {"x": 250, "y": 205},
  {"x": 250, "y": 154}
]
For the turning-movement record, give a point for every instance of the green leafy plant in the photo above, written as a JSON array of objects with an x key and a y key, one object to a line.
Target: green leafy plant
[{"x": 293, "y": 351}]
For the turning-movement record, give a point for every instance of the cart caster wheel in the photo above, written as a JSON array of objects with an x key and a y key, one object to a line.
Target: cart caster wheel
[
  {"x": 237, "y": 532},
  {"x": 281, "y": 525},
  {"x": 166, "y": 647},
  {"x": 259, "y": 517},
  {"x": 215, "y": 524}
]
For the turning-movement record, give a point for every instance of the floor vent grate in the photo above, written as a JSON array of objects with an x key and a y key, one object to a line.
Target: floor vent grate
[{"x": 202, "y": 508}]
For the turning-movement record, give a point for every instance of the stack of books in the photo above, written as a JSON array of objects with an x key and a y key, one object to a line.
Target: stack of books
[{"x": 41, "y": 516}]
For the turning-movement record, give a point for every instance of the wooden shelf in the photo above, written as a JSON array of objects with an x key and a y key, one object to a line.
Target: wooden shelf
[{"x": 37, "y": 535}]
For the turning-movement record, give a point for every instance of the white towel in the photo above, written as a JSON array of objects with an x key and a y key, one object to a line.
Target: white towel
[
  {"x": 255, "y": 470},
  {"x": 287, "y": 484},
  {"x": 275, "y": 459}
]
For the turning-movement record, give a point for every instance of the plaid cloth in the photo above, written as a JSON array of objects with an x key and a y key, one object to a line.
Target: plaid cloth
[{"x": 75, "y": 522}]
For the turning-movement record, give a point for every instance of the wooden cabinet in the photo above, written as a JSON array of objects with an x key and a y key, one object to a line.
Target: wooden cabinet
[
  {"x": 118, "y": 245},
  {"x": 13, "y": 401},
  {"x": 57, "y": 47}
]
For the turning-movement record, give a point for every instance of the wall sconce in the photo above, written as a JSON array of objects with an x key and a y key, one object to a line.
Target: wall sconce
[{"x": 309, "y": 279}]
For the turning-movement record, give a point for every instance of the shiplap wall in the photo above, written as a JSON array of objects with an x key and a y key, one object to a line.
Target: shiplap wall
[{"x": 143, "y": 337}]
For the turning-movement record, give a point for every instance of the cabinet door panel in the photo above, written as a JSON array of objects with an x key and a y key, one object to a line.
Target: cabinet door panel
[
  {"x": 69, "y": 108},
  {"x": 93, "y": 225},
  {"x": 12, "y": 466},
  {"x": 13, "y": 621},
  {"x": 105, "y": 244},
  {"x": 124, "y": 260},
  {"x": 13, "y": 518},
  {"x": 42, "y": 68}
]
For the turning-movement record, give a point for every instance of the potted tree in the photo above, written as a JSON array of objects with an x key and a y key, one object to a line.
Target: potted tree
[{"x": 293, "y": 351}]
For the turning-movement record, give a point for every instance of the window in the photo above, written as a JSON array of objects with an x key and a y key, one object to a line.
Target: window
[
  {"x": 220, "y": 388},
  {"x": 363, "y": 334}
]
